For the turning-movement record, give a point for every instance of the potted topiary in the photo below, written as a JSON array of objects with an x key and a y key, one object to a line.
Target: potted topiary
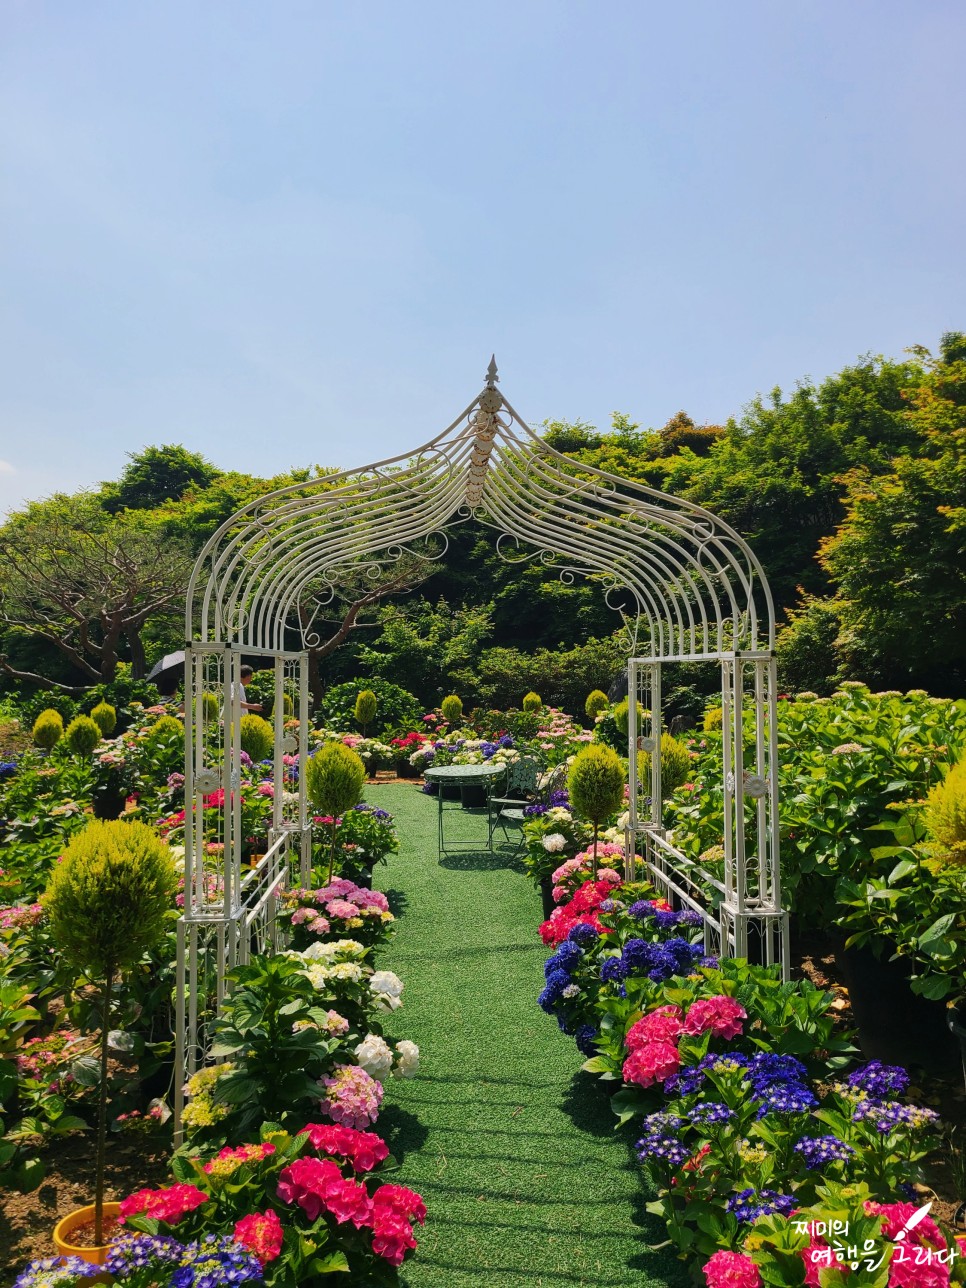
[
  {"x": 596, "y": 704},
  {"x": 334, "y": 779},
  {"x": 365, "y": 710},
  {"x": 596, "y": 787},
  {"x": 107, "y": 902}
]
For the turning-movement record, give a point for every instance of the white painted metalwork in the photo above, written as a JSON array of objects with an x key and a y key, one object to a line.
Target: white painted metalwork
[{"x": 687, "y": 586}]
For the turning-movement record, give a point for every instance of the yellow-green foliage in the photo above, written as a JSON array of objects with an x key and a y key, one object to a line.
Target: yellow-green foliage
[
  {"x": 595, "y": 704},
  {"x": 109, "y": 895},
  {"x": 82, "y": 735},
  {"x": 257, "y": 737},
  {"x": 622, "y": 716},
  {"x": 164, "y": 729},
  {"x": 288, "y": 707},
  {"x": 209, "y": 707},
  {"x": 365, "y": 711},
  {"x": 675, "y": 764},
  {"x": 48, "y": 728},
  {"x": 945, "y": 816},
  {"x": 452, "y": 709},
  {"x": 334, "y": 779},
  {"x": 105, "y": 717},
  {"x": 532, "y": 702},
  {"x": 713, "y": 720},
  {"x": 596, "y": 783}
]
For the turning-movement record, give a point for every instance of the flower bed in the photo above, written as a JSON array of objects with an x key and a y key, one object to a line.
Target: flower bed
[{"x": 749, "y": 1119}]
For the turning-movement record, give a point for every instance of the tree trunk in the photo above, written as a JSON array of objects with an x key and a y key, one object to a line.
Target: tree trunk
[
  {"x": 102, "y": 1118},
  {"x": 136, "y": 646}
]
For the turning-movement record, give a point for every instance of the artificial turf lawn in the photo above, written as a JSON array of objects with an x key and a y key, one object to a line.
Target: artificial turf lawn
[{"x": 514, "y": 1151}]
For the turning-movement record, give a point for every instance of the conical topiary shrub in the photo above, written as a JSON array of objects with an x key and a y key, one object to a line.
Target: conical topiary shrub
[
  {"x": 365, "y": 710},
  {"x": 334, "y": 779},
  {"x": 452, "y": 709},
  {"x": 48, "y": 729},
  {"x": 107, "y": 903},
  {"x": 532, "y": 702},
  {"x": 257, "y": 737},
  {"x": 82, "y": 735},
  {"x": 595, "y": 704},
  {"x": 105, "y": 717}
]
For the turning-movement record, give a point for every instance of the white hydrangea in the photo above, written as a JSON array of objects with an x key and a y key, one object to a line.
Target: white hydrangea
[
  {"x": 407, "y": 1059},
  {"x": 387, "y": 989},
  {"x": 375, "y": 1056},
  {"x": 319, "y": 952},
  {"x": 554, "y": 842}
]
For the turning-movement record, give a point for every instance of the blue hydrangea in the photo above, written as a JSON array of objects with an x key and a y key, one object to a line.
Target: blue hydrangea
[
  {"x": 638, "y": 955},
  {"x": 711, "y": 1112},
  {"x": 786, "y": 1098},
  {"x": 613, "y": 970},
  {"x": 749, "y": 1206},
  {"x": 583, "y": 934},
  {"x": 50, "y": 1272},
  {"x": 216, "y": 1263},
  {"x": 879, "y": 1081},
  {"x": 586, "y": 1039},
  {"x": 140, "y": 1251},
  {"x": 642, "y": 909},
  {"x": 820, "y": 1151},
  {"x": 569, "y": 954}
]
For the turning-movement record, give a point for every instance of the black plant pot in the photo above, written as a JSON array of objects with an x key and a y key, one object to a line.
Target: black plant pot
[
  {"x": 546, "y": 894},
  {"x": 108, "y": 805},
  {"x": 405, "y": 770},
  {"x": 450, "y": 791},
  {"x": 473, "y": 796},
  {"x": 895, "y": 1024}
]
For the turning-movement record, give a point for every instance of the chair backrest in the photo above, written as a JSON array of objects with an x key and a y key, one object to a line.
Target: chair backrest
[{"x": 522, "y": 775}]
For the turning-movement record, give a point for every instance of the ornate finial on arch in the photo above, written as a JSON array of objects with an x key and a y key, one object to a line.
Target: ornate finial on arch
[{"x": 491, "y": 377}]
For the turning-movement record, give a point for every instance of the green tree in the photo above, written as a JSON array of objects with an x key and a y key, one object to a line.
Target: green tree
[
  {"x": 156, "y": 475},
  {"x": 86, "y": 582},
  {"x": 899, "y": 557}
]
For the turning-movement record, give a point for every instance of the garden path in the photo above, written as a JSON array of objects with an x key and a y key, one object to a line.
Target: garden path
[{"x": 515, "y": 1154}]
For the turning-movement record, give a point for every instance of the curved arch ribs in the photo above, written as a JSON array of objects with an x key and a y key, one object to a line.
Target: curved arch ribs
[{"x": 688, "y": 586}]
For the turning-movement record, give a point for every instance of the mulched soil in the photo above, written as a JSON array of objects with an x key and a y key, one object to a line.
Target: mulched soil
[{"x": 27, "y": 1220}]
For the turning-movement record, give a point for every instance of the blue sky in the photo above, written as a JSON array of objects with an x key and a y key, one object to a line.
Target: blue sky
[{"x": 293, "y": 233}]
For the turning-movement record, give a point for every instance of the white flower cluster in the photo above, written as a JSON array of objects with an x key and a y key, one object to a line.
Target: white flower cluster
[{"x": 387, "y": 989}]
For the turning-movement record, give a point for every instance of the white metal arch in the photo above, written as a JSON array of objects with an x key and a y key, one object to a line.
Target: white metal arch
[{"x": 689, "y": 588}]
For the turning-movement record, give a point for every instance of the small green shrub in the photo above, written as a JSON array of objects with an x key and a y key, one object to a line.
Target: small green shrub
[
  {"x": 596, "y": 787},
  {"x": 105, "y": 717},
  {"x": 365, "y": 709},
  {"x": 532, "y": 702},
  {"x": 452, "y": 709},
  {"x": 163, "y": 729},
  {"x": 713, "y": 720},
  {"x": 596, "y": 703},
  {"x": 334, "y": 779},
  {"x": 675, "y": 764},
  {"x": 209, "y": 707},
  {"x": 48, "y": 729},
  {"x": 622, "y": 717},
  {"x": 82, "y": 736},
  {"x": 257, "y": 737},
  {"x": 945, "y": 815},
  {"x": 288, "y": 706}
]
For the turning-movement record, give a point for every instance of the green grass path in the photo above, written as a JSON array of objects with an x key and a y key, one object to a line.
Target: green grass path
[{"x": 512, "y": 1149}]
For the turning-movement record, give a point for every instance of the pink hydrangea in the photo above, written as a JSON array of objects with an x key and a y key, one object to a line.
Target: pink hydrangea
[
  {"x": 910, "y": 1274},
  {"x": 318, "y": 926},
  {"x": 721, "y": 1016},
  {"x": 653, "y": 1062},
  {"x": 661, "y": 1025},
  {"x": 301, "y": 915},
  {"x": 318, "y": 1185},
  {"x": 352, "y": 1097},
  {"x": 731, "y": 1270},
  {"x": 894, "y": 1216},
  {"x": 341, "y": 908}
]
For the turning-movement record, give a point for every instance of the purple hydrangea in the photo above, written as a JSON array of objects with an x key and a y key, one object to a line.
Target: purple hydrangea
[
  {"x": 586, "y": 1039},
  {"x": 583, "y": 934},
  {"x": 711, "y": 1113},
  {"x": 140, "y": 1251}
]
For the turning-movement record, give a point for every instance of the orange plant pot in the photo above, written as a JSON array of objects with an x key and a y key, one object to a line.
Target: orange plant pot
[{"x": 96, "y": 1256}]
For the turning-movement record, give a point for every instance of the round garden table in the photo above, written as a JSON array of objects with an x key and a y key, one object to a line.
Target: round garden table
[{"x": 485, "y": 776}]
